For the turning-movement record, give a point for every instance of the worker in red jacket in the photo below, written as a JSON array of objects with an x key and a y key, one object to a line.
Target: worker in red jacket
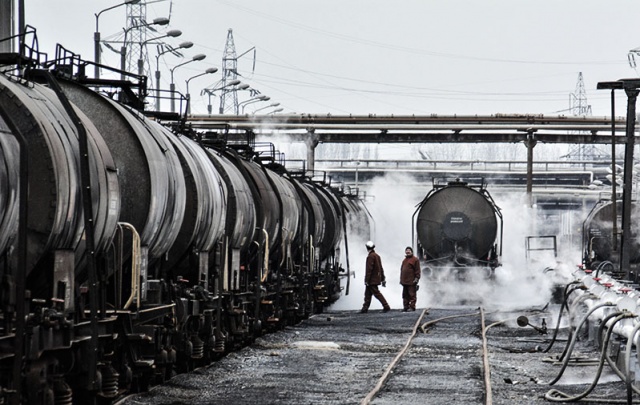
[
  {"x": 409, "y": 278},
  {"x": 374, "y": 276}
]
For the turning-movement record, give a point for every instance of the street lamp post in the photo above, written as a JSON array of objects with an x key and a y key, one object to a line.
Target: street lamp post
[
  {"x": 123, "y": 49},
  {"x": 183, "y": 45},
  {"x": 254, "y": 100},
  {"x": 96, "y": 35},
  {"x": 206, "y": 72},
  {"x": 196, "y": 58},
  {"x": 170, "y": 33},
  {"x": 277, "y": 110},
  {"x": 211, "y": 92},
  {"x": 269, "y": 106}
]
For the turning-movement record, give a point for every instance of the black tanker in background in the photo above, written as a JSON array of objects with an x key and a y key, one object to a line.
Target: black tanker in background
[
  {"x": 601, "y": 243},
  {"x": 459, "y": 230}
]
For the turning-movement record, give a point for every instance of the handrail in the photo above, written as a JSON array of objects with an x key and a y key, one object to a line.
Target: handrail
[
  {"x": 266, "y": 256},
  {"x": 135, "y": 265}
]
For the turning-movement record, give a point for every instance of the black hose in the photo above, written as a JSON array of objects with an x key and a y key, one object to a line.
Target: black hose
[
  {"x": 571, "y": 343},
  {"x": 627, "y": 357},
  {"x": 573, "y": 313},
  {"x": 601, "y": 266},
  {"x": 572, "y": 330},
  {"x": 554, "y": 395},
  {"x": 562, "y": 307},
  {"x": 626, "y": 377}
]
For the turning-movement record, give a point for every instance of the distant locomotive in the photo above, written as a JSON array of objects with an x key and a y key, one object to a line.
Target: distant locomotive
[
  {"x": 598, "y": 236},
  {"x": 130, "y": 250},
  {"x": 459, "y": 227}
]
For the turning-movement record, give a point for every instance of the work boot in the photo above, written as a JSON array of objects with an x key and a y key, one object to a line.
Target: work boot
[
  {"x": 364, "y": 310},
  {"x": 386, "y": 309}
]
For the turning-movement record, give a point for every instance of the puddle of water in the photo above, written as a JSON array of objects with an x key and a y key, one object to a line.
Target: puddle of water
[{"x": 316, "y": 345}]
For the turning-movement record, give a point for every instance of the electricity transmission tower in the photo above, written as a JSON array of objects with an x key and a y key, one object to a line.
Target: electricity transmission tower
[
  {"x": 579, "y": 107},
  {"x": 578, "y": 99},
  {"x": 229, "y": 82},
  {"x": 135, "y": 40},
  {"x": 229, "y": 97}
]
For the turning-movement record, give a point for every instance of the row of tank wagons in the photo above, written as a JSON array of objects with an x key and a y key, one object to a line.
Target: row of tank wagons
[{"x": 130, "y": 253}]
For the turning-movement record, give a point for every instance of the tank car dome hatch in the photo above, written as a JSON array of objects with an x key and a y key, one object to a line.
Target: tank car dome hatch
[{"x": 457, "y": 220}]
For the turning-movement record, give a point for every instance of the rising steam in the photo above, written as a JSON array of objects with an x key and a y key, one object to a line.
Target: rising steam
[{"x": 519, "y": 283}]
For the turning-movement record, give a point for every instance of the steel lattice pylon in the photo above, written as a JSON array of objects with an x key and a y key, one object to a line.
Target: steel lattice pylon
[
  {"x": 229, "y": 97},
  {"x": 580, "y": 108},
  {"x": 137, "y": 35},
  {"x": 579, "y": 105}
]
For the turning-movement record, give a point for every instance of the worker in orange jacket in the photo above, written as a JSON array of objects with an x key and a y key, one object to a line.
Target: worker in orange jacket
[
  {"x": 374, "y": 276},
  {"x": 409, "y": 278}
]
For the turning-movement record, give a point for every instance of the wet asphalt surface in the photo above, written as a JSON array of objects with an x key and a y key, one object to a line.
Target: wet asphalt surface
[{"x": 338, "y": 357}]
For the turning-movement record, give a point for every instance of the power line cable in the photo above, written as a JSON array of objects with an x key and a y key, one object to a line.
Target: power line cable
[{"x": 402, "y": 48}]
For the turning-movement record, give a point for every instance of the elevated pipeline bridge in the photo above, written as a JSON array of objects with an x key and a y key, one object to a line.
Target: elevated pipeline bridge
[
  {"x": 497, "y": 128},
  {"x": 576, "y": 174}
]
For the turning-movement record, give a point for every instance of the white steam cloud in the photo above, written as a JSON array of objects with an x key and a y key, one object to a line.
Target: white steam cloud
[{"x": 520, "y": 282}]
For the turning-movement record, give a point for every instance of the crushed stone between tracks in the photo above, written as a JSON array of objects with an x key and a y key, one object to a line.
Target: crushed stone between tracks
[{"x": 338, "y": 357}]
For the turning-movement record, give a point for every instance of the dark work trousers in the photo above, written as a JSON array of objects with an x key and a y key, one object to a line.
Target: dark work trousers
[
  {"x": 409, "y": 296},
  {"x": 373, "y": 290}
]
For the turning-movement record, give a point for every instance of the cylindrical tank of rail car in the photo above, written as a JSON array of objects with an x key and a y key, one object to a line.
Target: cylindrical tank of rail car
[
  {"x": 55, "y": 217},
  {"x": 459, "y": 225},
  {"x": 598, "y": 234}
]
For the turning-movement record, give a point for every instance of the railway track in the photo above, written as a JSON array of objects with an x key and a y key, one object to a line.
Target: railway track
[
  {"x": 445, "y": 348},
  {"x": 460, "y": 355}
]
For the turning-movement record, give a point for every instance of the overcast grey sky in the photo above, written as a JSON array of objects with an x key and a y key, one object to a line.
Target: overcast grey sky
[{"x": 384, "y": 57}]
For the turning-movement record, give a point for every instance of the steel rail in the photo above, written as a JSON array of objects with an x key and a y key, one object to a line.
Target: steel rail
[
  {"x": 488, "y": 398},
  {"x": 485, "y": 357},
  {"x": 434, "y": 321},
  {"x": 385, "y": 376}
]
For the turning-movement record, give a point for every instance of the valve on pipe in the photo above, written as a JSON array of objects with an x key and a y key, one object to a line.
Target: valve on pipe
[{"x": 524, "y": 321}]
